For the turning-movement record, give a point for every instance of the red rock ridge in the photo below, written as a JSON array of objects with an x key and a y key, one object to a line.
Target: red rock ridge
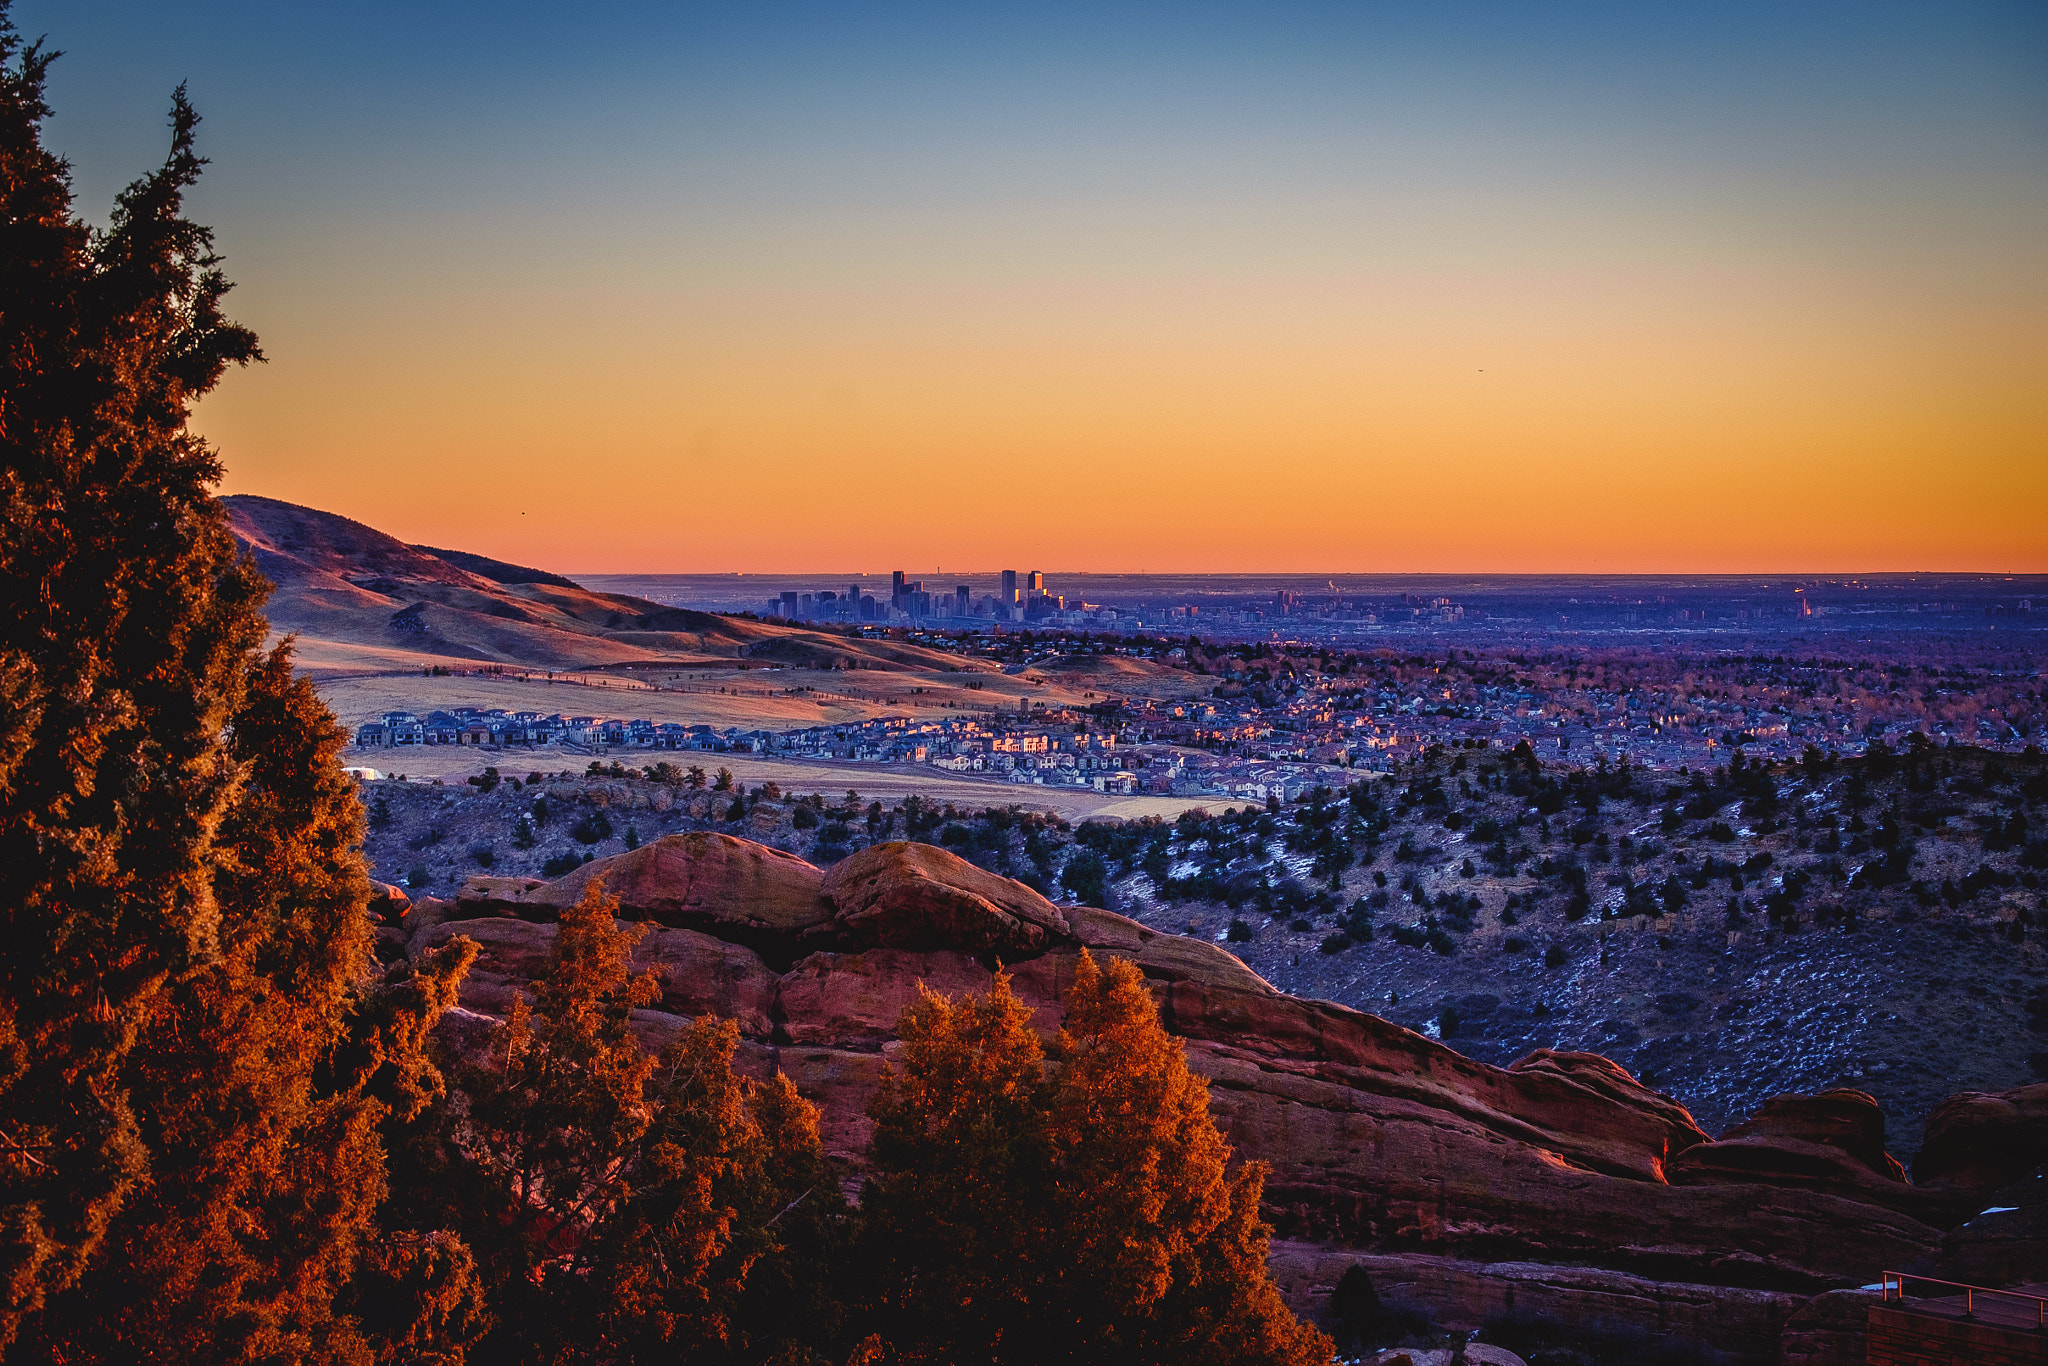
[{"x": 1378, "y": 1138}]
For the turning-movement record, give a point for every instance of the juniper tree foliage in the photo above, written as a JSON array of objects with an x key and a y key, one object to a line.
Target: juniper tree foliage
[
  {"x": 960, "y": 1171},
  {"x": 1162, "y": 1251},
  {"x": 261, "y": 1083},
  {"x": 1082, "y": 1212},
  {"x": 194, "y": 1061},
  {"x": 122, "y": 656},
  {"x": 629, "y": 1206}
]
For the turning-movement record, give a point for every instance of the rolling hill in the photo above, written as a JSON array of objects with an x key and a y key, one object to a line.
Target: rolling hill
[{"x": 341, "y": 581}]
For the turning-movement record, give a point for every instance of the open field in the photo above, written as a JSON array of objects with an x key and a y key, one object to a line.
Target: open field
[
  {"x": 885, "y": 782},
  {"x": 361, "y": 682},
  {"x": 772, "y": 699}
]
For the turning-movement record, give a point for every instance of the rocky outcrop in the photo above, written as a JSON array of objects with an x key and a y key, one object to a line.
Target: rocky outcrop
[
  {"x": 1832, "y": 1142},
  {"x": 1980, "y": 1143},
  {"x": 1164, "y": 957},
  {"x": 1463, "y": 1295},
  {"x": 1381, "y": 1142},
  {"x": 703, "y": 880},
  {"x": 913, "y": 896},
  {"x": 2003, "y": 1242},
  {"x": 699, "y": 974},
  {"x": 389, "y": 905}
]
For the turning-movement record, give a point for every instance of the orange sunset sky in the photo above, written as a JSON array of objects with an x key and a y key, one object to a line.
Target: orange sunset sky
[{"x": 1445, "y": 288}]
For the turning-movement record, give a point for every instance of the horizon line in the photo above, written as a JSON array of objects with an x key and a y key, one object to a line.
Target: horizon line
[{"x": 2008, "y": 574}]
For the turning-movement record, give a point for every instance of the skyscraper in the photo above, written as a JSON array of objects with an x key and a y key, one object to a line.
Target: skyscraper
[{"x": 1009, "y": 586}]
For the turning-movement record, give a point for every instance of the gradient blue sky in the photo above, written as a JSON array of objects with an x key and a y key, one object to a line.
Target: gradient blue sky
[{"x": 1318, "y": 287}]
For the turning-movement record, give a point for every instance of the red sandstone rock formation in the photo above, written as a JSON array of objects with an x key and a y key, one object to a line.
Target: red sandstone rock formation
[
  {"x": 1831, "y": 1142},
  {"x": 388, "y": 904},
  {"x": 913, "y": 896},
  {"x": 1379, "y": 1139},
  {"x": 1980, "y": 1143}
]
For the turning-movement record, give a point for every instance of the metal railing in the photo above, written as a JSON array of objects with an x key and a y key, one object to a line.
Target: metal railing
[{"x": 1898, "y": 1279}]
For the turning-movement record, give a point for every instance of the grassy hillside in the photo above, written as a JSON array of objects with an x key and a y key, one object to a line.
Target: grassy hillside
[{"x": 340, "y": 581}]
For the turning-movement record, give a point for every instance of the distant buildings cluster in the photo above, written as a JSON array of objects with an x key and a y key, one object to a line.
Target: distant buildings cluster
[{"x": 1021, "y": 598}]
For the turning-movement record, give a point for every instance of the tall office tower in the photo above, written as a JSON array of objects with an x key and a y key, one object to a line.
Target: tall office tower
[
  {"x": 787, "y": 605},
  {"x": 1009, "y": 586},
  {"x": 961, "y": 600},
  {"x": 853, "y": 598},
  {"x": 896, "y": 587},
  {"x": 1037, "y": 584}
]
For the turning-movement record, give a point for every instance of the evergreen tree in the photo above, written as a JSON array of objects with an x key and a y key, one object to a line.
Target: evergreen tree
[
  {"x": 193, "y": 1064},
  {"x": 1086, "y": 1217},
  {"x": 960, "y": 1175},
  {"x": 120, "y": 662},
  {"x": 266, "y": 1165},
  {"x": 623, "y": 1203},
  {"x": 1162, "y": 1253}
]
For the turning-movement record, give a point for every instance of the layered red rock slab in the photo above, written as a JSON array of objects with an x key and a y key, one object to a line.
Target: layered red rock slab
[
  {"x": 1831, "y": 1142},
  {"x": 1981, "y": 1143},
  {"x": 854, "y": 1000},
  {"x": 914, "y": 896},
  {"x": 2004, "y": 1241},
  {"x": 1744, "y": 1324},
  {"x": 1581, "y": 1108},
  {"x": 1376, "y": 1136},
  {"x": 1164, "y": 957},
  {"x": 1841, "y": 1118},
  {"x": 699, "y": 974},
  {"x": 1371, "y": 1169},
  {"x": 1828, "y": 1330},
  {"x": 699, "y": 880}
]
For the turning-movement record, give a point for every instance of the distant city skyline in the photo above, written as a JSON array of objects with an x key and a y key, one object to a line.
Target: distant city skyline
[{"x": 1470, "y": 287}]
